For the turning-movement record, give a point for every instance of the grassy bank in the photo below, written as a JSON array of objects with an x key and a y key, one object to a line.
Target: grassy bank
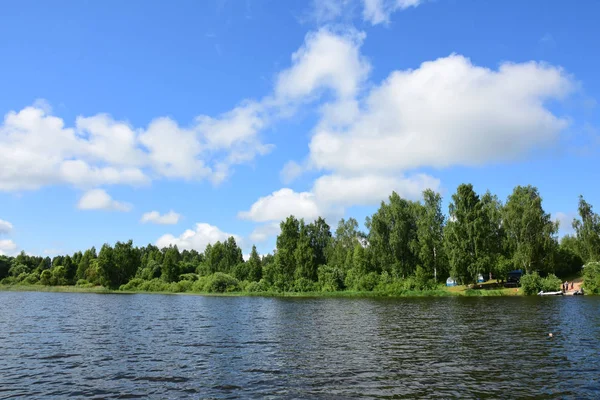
[{"x": 441, "y": 292}]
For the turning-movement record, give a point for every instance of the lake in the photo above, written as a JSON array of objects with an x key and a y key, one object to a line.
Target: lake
[{"x": 174, "y": 346}]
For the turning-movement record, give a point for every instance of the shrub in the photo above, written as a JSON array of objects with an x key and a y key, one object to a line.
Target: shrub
[
  {"x": 331, "y": 279},
  {"x": 10, "y": 280},
  {"x": 221, "y": 283},
  {"x": 591, "y": 277},
  {"x": 181, "y": 286},
  {"x": 31, "y": 279},
  {"x": 83, "y": 283},
  {"x": 368, "y": 282},
  {"x": 304, "y": 285},
  {"x": 550, "y": 283},
  {"x": 256, "y": 287},
  {"x": 133, "y": 284},
  {"x": 531, "y": 283},
  {"x": 188, "y": 277},
  {"x": 46, "y": 277}
]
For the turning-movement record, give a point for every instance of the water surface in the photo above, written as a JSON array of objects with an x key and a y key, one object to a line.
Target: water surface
[{"x": 172, "y": 346}]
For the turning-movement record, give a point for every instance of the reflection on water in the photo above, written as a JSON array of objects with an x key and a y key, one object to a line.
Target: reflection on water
[{"x": 161, "y": 346}]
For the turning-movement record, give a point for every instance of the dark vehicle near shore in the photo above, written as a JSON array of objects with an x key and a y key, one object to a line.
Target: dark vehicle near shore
[{"x": 514, "y": 276}]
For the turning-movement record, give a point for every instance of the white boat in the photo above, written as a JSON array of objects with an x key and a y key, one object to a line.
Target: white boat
[{"x": 542, "y": 293}]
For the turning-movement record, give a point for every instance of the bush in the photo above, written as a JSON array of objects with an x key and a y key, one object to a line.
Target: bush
[
  {"x": 257, "y": 287},
  {"x": 591, "y": 277},
  {"x": 31, "y": 279},
  {"x": 83, "y": 283},
  {"x": 181, "y": 286},
  {"x": 368, "y": 282},
  {"x": 188, "y": 277},
  {"x": 304, "y": 285},
  {"x": 221, "y": 283},
  {"x": 531, "y": 283},
  {"x": 10, "y": 280},
  {"x": 551, "y": 283},
  {"x": 46, "y": 277},
  {"x": 331, "y": 279},
  {"x": 133, "y": 284}
]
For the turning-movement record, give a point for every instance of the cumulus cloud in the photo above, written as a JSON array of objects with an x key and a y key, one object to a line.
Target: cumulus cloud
[
  {"x": 98, "y": 199},
  {"x": 447, "y": 112},
  {"x": 5, "y": 227},
  {"x": 39, "y": 149},
  {"x": 197, "y": 238},
  {"x": 326, "y": 61},
  {"x": 170, "y": 218},
  {"x": 281, "y": 204},
  {"x": 370, "y": 189},
  {"x": 7, "y": 246}
]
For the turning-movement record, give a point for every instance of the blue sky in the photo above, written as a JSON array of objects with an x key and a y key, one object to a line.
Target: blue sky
[{"x": 186, "y": 122}]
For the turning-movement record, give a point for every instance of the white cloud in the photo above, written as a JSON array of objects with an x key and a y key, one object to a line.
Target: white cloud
[
  {"x": 170, "y": 218},
  {"x": 447, "y": 112},
  {"x": 196, "y": 239},
  {"x": 326, "y": 60},
  {"x": 7, "y": 246},
  {"x": 379, "y": 11},
  {"x": 370, "y": 189},
  {"x": 98, "y": 199},
  {"x": 281, "y": 204},
  {"x": 5, "y": 227},
  {"x": 263, "y": 232}
]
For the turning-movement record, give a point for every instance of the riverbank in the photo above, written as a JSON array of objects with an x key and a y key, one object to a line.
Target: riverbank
[{"x": 441, "y": 292}]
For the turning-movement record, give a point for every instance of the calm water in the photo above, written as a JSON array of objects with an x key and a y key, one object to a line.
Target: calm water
[{"x": 160, "y": 346}]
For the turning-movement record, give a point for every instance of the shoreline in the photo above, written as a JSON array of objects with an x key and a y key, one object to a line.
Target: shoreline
[{"x": 340, "y": 294}]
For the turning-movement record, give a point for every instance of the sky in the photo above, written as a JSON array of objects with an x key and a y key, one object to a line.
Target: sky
[{"x": 187, "y": 122}]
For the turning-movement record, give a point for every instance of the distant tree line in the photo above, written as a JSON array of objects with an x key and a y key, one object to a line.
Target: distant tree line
[{"x": 409, "y": 245}]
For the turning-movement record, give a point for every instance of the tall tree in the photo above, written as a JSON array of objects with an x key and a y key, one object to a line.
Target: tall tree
[
  {"x": 346, "y": 237},
  {"x": 254, "y": 266},
  {"x": 305, "y": 255},
  {"x": 530, "y": 231},
  {"x": 319, "y": 233},
  {"x": 285, "y": 260},
  {"x": 170, "y": 265},
  {"x": 430, "y": 233},
  {"x": 393, "y": 236},
  {"x": 463, "y": 234},
  {"x": 587, "y": 229}
]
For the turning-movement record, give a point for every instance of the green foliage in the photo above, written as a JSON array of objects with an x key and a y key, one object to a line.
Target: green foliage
[
  {"x": 221, "y": 283},
  {"x": 591, "y": 277},
  {"x": 46, "y": 277},
  {"x": 530, "y": 232},
  {"x": 257, "y": 287},
  {"x": 551, "y": 283},
  {"x": 587, "y": 229},
  {"x": 305, "y": 285},
  {"x": 331, "y": 279},
  {"x": 531, "y": 283}
]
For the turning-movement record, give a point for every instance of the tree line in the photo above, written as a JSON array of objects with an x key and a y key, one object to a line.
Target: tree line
[{"x": 408, "y": 245}]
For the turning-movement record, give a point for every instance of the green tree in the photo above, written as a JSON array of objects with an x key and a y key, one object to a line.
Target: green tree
[
  {"x": 342, "y": 247},
  {"x": 430, "y": 233},
  {"x": 285, "y": 260},
  {"x": 170, "y": 265},
  {"x": 304, "y": 255},
  {"x": 463, "y": 234},
  {"x": 587, "y": 229},
  {"x": 530, "y": 232},
  {"x": 319, "y": 233},
  {"x": 254, "y": 266}
]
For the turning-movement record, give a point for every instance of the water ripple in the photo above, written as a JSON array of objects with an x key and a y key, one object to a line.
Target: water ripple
[{"x": 58, "y": 345}]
